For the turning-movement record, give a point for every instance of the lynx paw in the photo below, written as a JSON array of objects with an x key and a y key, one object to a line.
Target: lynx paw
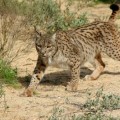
[
  {"x": 72, "y": 86},
  {"x": 89, "y": 77},
  {"x": 27, "y": 93}
]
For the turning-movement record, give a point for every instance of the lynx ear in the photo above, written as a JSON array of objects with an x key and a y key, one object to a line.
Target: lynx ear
[
  {"x": 37, "y": 33},
  {"x": 53, "y": 39}
]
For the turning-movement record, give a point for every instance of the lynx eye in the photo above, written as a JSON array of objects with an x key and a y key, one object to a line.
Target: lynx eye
[
  {"x": 39, "y": 46},
  {"x": 48, "y": 45}
]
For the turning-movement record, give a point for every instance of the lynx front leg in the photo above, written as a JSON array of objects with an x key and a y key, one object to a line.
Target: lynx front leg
[
  {"x": 36, "y": 77},
  {"x": 99, "y": 64},
  {"x": 75, "y": 76}
]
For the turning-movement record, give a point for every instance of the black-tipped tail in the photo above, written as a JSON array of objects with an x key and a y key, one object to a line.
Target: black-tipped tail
[{"x": 114, "y": 8}]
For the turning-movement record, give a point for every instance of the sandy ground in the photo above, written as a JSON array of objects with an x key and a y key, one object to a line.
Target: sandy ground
[{"x": 52, "y": 94}]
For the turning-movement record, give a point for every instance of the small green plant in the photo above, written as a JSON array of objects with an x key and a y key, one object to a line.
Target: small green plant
[
  {"x": 110, "y": 102},
  {"x": 56, "y": 113},
  {"x": 2, "y": 95},
  {"x": 102, "y": 102},
  {"x": 7, "y": 74},
  {"x": 93, "y": 116},
  {"x": 93, "y": 109}
]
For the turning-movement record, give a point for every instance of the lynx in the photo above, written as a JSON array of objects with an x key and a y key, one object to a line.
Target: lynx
[{"x": 75, "y": 47}]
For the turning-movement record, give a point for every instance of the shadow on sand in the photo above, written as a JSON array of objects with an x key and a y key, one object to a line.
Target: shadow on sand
[{"x": 60, "y": 77}]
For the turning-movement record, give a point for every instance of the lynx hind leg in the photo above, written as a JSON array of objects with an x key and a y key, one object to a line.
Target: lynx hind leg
[
  {"x": 36, "y": 78},
  {"x": 99, "y": 67}
]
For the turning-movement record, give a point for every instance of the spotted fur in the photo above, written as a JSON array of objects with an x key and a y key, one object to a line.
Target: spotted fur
[{"x": 75, "y": 47}]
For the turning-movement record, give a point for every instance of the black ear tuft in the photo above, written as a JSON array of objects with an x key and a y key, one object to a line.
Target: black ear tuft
[
  {"x": 36, "y": 31},
  {"x": 114, "y": 7}
]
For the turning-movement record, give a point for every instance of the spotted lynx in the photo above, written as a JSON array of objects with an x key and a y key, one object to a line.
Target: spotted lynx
[{"x": 75, "y": 47}]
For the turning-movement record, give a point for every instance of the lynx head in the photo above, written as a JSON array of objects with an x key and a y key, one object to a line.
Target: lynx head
[{"x": 45, "y": 44}]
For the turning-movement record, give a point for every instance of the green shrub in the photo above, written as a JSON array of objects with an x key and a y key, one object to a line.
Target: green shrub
[
  {"x": 48, "y": 15},
  {"x": 7, "y": 74},
  {"x": 45, "y": 13}
]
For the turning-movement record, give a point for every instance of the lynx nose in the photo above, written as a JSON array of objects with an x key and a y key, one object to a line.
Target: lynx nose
[{"x": 43, "y": 53}]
